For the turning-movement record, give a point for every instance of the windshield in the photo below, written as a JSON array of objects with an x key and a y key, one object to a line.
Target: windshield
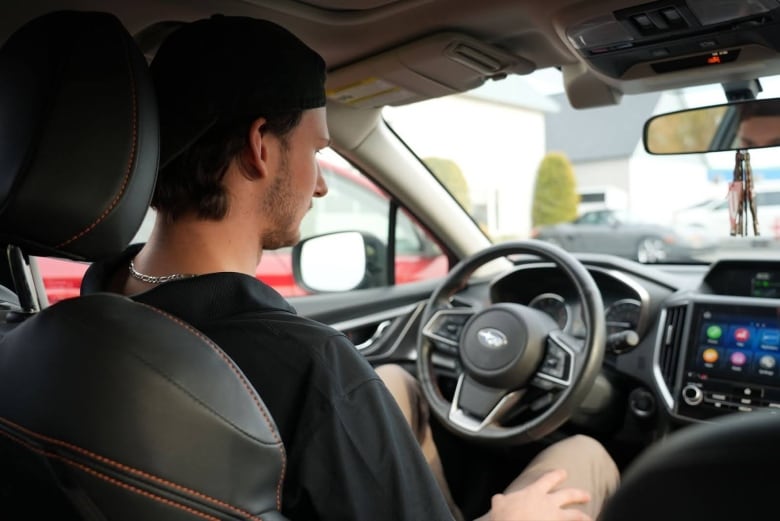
[{"x": 525, "y": 164}]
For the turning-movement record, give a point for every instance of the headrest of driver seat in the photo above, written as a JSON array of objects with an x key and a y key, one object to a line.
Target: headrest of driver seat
[{"x": 79, "y": 137}]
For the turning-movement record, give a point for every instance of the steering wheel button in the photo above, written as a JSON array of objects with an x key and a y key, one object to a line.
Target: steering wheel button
[
  {"x": 448, "y": 330},
  {"x": 554, "y": 364},
  {"x": 446, "y": 348},
  {"x": 557, "y": 372},
  {"x": 543, "y": 384}
]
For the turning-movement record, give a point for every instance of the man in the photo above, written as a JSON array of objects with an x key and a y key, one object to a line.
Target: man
[
  {"x": 759, "y": 124},
  {"x": 242, "y": 117}
]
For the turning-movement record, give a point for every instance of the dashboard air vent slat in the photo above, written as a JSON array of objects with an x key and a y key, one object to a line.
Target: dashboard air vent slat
[{"x": 671, "y": 343}]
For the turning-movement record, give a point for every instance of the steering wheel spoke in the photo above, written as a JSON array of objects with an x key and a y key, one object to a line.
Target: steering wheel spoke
[
  {"x": 557, "y": 368},
  {"x": 446, "y": 326},
  {"x": 476, "y": 406}
]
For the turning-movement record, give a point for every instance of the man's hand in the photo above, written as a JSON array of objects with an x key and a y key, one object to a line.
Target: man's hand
[{"x": 537, "y": 502}]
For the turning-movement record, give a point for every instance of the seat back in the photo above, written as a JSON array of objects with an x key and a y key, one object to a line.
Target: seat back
[
  {"x": 719, "y": 471},
  {"x": 109, "y": 409}
]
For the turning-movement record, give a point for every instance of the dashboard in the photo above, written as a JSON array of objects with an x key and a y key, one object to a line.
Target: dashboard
[
  {"x": 707, "y": 337},
  {"x": 718, "y": 348},
  {"x": 544, "y": 287},
  {"x": 707, "y": 342}
]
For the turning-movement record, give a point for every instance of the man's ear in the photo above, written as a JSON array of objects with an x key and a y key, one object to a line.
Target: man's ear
[{"x": 255, "y": 155}]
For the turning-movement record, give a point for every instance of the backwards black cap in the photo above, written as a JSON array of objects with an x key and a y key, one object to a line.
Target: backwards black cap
[{"x": 225, "y": 68}]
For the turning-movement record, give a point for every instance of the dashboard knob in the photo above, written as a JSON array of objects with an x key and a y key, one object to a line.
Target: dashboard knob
[
  {"x": 692, "y": 395},
  {"x": 642, "y": 403}
]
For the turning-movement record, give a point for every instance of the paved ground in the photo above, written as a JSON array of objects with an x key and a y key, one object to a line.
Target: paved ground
[{"x": 751, "y": 247}]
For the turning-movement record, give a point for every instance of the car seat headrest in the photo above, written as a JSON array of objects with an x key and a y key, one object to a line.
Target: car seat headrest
[{"x": 79, "y": 137}]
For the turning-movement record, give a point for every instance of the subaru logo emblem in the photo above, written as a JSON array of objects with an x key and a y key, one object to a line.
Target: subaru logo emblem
[{"x": 492, "y": 338}]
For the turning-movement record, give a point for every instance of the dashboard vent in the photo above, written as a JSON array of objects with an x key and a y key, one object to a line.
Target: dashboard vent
[{"x": 671, "y": 343}]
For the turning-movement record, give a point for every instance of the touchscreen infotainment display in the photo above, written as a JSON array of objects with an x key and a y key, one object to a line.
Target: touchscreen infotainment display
[{"x": 737, "y": 343}]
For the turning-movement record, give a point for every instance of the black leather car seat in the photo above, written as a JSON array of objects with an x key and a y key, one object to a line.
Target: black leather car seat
[
  {"x": 109, "y": 409},
  {"x": 719, "y": 471}
]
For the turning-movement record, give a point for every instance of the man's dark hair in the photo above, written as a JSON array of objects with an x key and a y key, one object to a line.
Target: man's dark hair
[
  {"x": 193, "y": 181},
  {"x": 212, "y": 78},
  {"x": 758, "y": 108}
]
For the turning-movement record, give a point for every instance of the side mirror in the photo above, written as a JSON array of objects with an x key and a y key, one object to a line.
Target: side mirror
[{"x": 340, "y": 261}]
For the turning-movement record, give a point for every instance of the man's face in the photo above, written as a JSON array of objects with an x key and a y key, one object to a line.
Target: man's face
[
  {"x": 296, "y": 180},
  {"x": 759, "y": 131}
]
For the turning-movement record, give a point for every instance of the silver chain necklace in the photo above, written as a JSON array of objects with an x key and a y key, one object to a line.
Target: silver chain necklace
[{"x": 151, "y": 279}]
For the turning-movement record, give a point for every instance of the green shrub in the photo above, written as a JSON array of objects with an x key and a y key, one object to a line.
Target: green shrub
[
  {"x": 450, "y": 175},
  {"x": 555, "y": 191}
]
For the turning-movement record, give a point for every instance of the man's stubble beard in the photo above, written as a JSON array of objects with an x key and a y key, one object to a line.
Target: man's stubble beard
[{"x": 280, "y": 208}]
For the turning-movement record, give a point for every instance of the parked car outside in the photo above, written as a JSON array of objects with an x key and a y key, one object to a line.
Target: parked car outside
[
  {"x": 353, "y": 203},
  {"x": 713, "y": 215},
  {"x": 616, "y": 232}
]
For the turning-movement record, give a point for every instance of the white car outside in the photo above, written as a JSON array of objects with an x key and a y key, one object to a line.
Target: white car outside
[{"x": 713, "y": 214}]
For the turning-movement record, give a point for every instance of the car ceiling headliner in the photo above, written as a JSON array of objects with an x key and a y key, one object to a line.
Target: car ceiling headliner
[{"x": 347, "y": 31}]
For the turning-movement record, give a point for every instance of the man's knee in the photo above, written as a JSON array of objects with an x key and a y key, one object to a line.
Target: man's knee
[
  {"x": 408, "y": 395},
  {"x": 587, "y": 445},
  {"x": 394, "y": 375},
  {"x": 597, "y": 456}
]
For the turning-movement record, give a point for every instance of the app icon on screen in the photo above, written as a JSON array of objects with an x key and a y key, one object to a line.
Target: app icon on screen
[
  {"x": 770, "y": 340},
  {"x": 714, "y": 332},
  {"x": 742, "y": 335},
  {"x": 738, "y": 358},
  {"x": 710, "y": 356},
  {"x": 767, "y": 362}
]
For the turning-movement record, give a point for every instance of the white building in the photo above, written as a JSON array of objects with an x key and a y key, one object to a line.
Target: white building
[
  {"x": 512, "y": 115},
  {"x": 516, "y": 125},
  {"x": 624, "y": 164}
]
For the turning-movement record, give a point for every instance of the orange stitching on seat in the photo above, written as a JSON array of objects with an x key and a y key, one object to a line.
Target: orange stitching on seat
[
  {"x": 120, "y": 466},
  {"x": 125, "y": 181},
  {"x": 250, "y": 389},
  {"x": 109, "y": 479}
]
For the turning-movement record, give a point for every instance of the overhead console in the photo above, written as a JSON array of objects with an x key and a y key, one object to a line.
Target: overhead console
[
  {"x": 673, "y": 35},
  {"x": 658, "y": 45}
]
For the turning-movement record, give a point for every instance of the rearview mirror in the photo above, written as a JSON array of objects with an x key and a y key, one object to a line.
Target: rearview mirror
[
  {"x": 340, "y": 261},
  {"x": 730, "y": 126}
]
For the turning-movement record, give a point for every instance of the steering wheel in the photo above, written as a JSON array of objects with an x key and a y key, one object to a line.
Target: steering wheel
[{"x": 519, "y": 377}]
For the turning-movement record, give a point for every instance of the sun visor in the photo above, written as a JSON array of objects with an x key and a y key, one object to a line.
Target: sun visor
[{"x": 442, "y": 64}]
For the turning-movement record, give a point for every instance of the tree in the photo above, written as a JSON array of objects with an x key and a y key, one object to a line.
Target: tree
[
  {"x": 555, "y": 191},
  {"x": 450, "y": 175}
]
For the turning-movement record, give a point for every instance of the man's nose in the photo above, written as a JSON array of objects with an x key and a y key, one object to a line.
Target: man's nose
[{"x": 321, "y": 188}]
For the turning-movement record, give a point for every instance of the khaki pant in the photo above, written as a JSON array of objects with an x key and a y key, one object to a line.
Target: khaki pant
[{"x": 588, "y": 465}]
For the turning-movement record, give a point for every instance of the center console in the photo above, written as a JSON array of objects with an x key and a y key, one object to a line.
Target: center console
[{"x": 731, "y": 360}]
